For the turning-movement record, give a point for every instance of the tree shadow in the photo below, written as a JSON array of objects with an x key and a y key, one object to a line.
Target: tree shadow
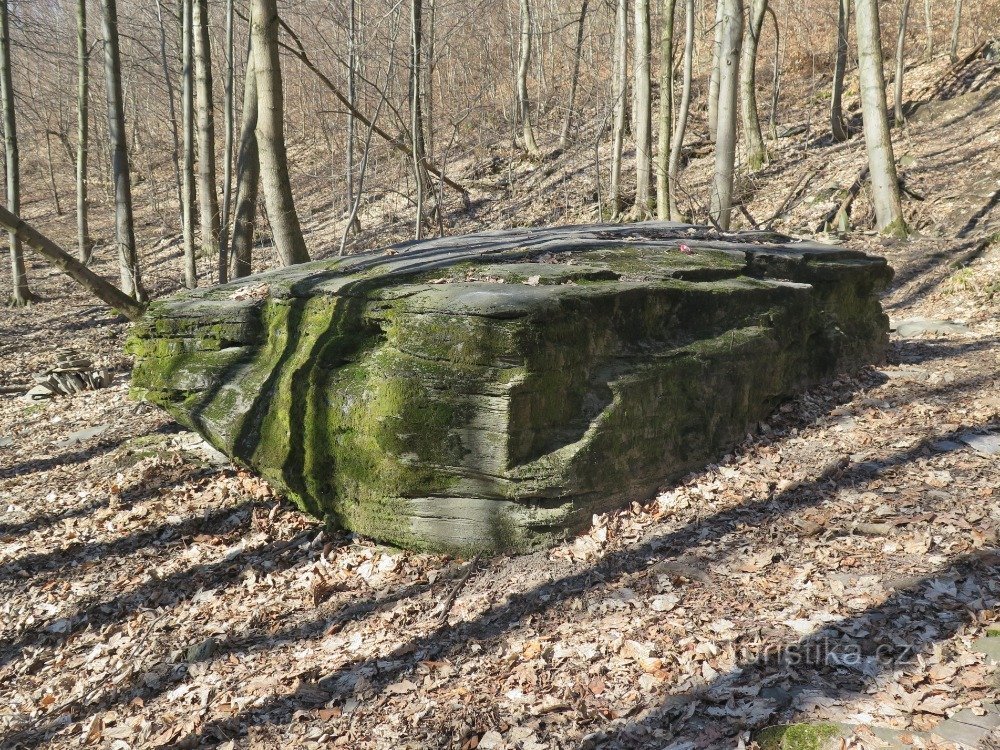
[
  {"x": 956, "y": 256},
  {"x": 486, "y": 629}
]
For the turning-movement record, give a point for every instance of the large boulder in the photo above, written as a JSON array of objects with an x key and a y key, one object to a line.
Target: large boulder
[{"x": 493, "y": 391}]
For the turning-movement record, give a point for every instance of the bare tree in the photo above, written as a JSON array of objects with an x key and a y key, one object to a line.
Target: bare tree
[
  {"x": 524, "y": 62},
  {"x": 84, "y": 244},
  {"x": 20, "y": 295},
  {"x": 756, "y": 151},
  {"x": 128, "y": 259},
  {"x": 287, "y": 233},
  {"x": 417, "y": 144},
  {"x": 837, "y": 125},
  {"x": 725, "y": 141},
  {"x": 574, "y": 77},
  {"x": 187, "y": 128},
  {"x": 929, "y": 29},
  {"x": 619, "y": 93},
  {"x": 682, "y": 113},
  {"x": 207, "y": 190},
  {"x": 643, "y": 124},
  {"x": 247, "y": 177},
  {"x": 713, "y": 82},
  {"x": 881, "y": 161},
  {"x": 171, "y": 107},
  {"x": 666, "y": 109},
  {"x": 956, "y": 27},
  {"x": 900, "y": 65},
  {"x": 227, "y": 154}
]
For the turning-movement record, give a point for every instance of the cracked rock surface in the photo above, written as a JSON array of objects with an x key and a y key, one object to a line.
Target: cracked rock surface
[{"x": 493, "y": 391}]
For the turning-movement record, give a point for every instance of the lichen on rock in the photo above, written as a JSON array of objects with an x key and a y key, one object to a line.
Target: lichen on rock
[{"x": 493, "y": 391}]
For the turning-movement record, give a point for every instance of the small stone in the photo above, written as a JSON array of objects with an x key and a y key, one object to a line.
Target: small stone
[
  {"x": 913, "y": 327},
  {"x": 491, "y": 741},
  {"x": 202, "y": 651},
  {"x": 988, "y": 445},
  {"x": 944, "y": 446}
]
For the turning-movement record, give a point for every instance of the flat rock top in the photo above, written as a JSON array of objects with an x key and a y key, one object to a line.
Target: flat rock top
[{"x": 465, "y": 272}]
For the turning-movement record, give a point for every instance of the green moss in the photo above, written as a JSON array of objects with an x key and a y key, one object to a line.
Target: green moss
[{"x": 820, "y": 736}]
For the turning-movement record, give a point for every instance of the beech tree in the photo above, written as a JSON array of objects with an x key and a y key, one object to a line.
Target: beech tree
[
  {"x": 84, "y": 244},
  {"x": 286, "y": 231},
  {"x": 128, "y": 259},
  {"x": 209, "y": 198},
  {"x": 956, "y": 27},
  {"x": 881, "y": 161},
  {"x": 187, "y": 127},
  {"x": 643, "y": 124},
  {"x": 666, "y": 110},
  {"x": 20, "y": 294},
  {"x": 756, "y": 151},
  {"x": 247, "y": 177},
  {"x": 725, "y": 139},
  {"x": 900, "y": 64},
  {"x": 523, "y": 63},
  {"x": 837, "y": 125},
  {"x": 682, "y": 113},
  {"x": 619, "y": 92}
]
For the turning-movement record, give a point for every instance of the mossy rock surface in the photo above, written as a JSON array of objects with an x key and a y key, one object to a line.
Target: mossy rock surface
[
  {"x": 817, "y": 736},
  {"x": 493, "y": 391}
]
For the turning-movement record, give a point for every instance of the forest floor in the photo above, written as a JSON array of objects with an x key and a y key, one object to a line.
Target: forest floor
[{"x": 837, "y": 565}]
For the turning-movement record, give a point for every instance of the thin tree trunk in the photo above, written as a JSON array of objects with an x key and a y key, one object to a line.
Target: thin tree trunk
[
  {"x": 427, "y": 93},
  {"x": 725, "y": 142},
  {"x": 524, "y": 62},
  {"x": 227, "y": 157},
  {"x": 713, "y": 81},
  {"x": 955, "y": 29},
  {"x": 416, "y": 114},
  {"x": 84, "y": 245},
  {"x": 929, "y": 28},
  {"x": 756, "y": 150},
  {"x": 663, "y": 155},
  {"x": 574, "y": 78},
  {"x": 172, "y": 109},
  {"x": 287, "y": 233},
  {"x": 128, "y": 260},
  {"x": 52, "y": 172},
  {"x": 682, "y": 114},
  {"x": 619, "y": 93},
  {"x": 837, "y": 126},
  {"x": 897, "y": 98},
  {"x": 187, "y": 126},
  {"x": 882, "y": 163},
  {"x": 772, "y": 120},
  {"x": 352, "y": 98},
  {"x": 21, "y": 295},
  {"x": 247, "y": 177},
  {"x": 208, "y": 194},
  {"x": 34, "y": 239},
  {"x": 643, "y": 125}
]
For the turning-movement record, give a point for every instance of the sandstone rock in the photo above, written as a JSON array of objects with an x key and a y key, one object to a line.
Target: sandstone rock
[{"x": 493, "y": 391}]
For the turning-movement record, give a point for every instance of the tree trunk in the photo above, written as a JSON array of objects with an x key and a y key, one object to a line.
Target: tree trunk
[
  {"x": 663, "y": 199},
  {"x": 643, "y": 111},
  {"x": 682, "y": 113},
  {"x": 352, "y": 97},
  {"x": 929, "y": 27},
  {"x": 619, "y": 92},
  {"x": 208, "y": 194},
  {"x": 128, "y": 260},
  {"x": 70, "y": 265},
  {"x": 713, "y": 82},
  {"x": 84, "y": 245},
  {"x": 187, "y": 127},
  {"x": 168, "y": 80},
  {"x": 52, "y": 171},
  {"x": 955, "y": 28},
  {"x": 417, "y": 146},
  {"x": 897, "y": 98},
  {"x": 227, "y": 157},
  {"x": 756, "y": 151},
  {"x": 772, "y": 120},
  {"x": 574, "y": 78},
  {"x": 20, "y": 295},
  {"x": 725, "y": 141},
  {"x": 524, "y": 62},
  {"x": 882, "y": 163},
  {"x": 287, "y": 233},
  {"x": 837, "y": 126},
  {"x": 247, "y": 177}
]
